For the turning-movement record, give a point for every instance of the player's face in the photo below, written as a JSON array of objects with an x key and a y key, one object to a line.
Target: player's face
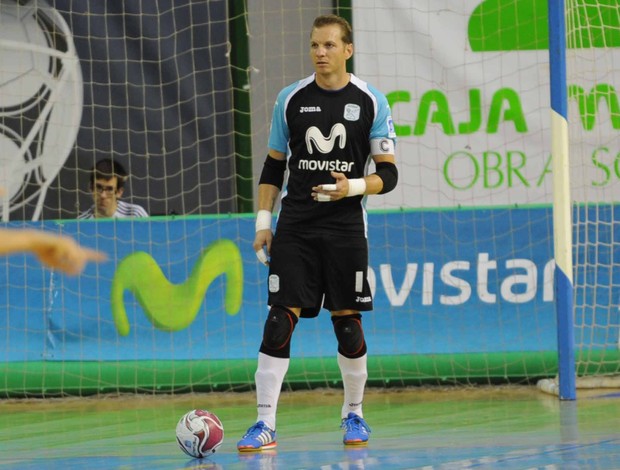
[
  {"x": 105, "y": 195},
  {"x": 328, "y": 52}
]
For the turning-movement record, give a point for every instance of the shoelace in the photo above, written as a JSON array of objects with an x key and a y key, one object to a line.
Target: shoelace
[
  {"x": 255, "y": 430},
  {"x": 354, "y": 424}
]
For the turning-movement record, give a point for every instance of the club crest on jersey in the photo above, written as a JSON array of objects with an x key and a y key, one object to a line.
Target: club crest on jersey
[{"x": 351, "y": 112}]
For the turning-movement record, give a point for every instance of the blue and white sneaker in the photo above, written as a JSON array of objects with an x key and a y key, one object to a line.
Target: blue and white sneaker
[
  {"x": 259, "y": 437},
  {"x": 356, "y": 430}
]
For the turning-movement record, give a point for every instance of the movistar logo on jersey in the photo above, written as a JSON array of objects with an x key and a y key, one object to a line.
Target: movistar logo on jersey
[
  {"x": 333, "y": 165},
  {"x": 315, "y": 138},
  {"x": 310, "y": 109}
]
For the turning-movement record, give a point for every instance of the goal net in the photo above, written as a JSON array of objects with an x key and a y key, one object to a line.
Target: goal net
[{"x": 181, "y": 94}]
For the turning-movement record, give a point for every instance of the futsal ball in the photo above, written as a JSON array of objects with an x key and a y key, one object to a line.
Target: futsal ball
[{"x": 199, "y": 433}]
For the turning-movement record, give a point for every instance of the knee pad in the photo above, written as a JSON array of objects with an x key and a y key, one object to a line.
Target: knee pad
[
  {"x": 350, "y": 335},
  {"x": 279, "y": 328}
]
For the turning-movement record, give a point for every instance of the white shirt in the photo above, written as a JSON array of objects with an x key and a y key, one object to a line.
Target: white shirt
[{"x": 123, "y": 210}]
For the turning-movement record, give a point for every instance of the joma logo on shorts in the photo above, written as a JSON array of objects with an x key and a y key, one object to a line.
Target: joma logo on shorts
[{"x": 363, "y": 299}]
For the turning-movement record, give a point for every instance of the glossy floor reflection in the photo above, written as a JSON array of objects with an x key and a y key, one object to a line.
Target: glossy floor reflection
[{"x": 447, "y": 428}]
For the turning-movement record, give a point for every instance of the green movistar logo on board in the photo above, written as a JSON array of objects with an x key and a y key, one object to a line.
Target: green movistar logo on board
[{"x": 173, "y": 307}]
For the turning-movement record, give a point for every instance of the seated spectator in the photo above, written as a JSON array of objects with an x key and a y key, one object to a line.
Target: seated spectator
[{"x": 107, "y": 182}]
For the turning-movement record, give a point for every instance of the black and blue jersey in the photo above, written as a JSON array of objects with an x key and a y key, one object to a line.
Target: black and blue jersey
[{"x": 322, "y": 131}]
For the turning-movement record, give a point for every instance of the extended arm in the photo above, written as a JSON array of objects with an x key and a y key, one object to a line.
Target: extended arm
[{"x": 55, "y": 251}]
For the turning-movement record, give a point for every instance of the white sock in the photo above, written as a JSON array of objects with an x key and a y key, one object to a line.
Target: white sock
[
  {"x": 268, "y": 378},
  {"x": 354, "y": 374}
]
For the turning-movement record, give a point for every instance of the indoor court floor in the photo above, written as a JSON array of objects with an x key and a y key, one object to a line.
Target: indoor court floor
[{"x": 504, "y": 427}]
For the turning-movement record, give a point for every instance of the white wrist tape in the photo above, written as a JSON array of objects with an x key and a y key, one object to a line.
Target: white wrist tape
[
  {"x": 263, "y": 220},
  {"x": 357, "y": 187}
]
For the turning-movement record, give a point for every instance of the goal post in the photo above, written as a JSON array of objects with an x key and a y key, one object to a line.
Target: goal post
[
  {"x": 562, "y": 202},
  {"x": 587, "y": 41}
]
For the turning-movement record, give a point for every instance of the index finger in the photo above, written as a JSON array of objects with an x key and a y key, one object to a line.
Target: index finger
[{"x": 94, "y": 255}]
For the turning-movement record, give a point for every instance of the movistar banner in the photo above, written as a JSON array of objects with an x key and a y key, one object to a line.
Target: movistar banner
[
  {"x": 193, "y": 289},
  {"x": 468, "y": 83}
]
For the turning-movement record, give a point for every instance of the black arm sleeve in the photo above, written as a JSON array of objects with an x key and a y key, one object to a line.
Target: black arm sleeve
[
  {"x": 273, "y": 172},
  {"x": 388, "y": 172}
]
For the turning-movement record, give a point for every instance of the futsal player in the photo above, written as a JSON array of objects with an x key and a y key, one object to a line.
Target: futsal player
[{"x": 324, "y": 131}]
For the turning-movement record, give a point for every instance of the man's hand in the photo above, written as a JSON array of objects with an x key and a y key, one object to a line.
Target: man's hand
[
  {"x": 262, "y": 245},
  {"x": 342, "y": 188},
  {"x": 331, "y": 191},
  {"x": 62, "y": 252}
]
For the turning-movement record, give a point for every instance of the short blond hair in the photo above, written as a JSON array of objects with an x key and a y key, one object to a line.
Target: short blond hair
[{"x": 345, "y": 26}]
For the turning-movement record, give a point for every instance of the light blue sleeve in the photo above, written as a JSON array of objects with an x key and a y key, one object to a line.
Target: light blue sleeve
[
  {"x": 383, "y": 126},
  {"x": 279, "y": 132}
]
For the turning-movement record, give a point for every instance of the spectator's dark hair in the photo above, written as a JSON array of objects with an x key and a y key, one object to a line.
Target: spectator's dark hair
[
  {"x": 325, "y": 20},
  {"x": 107, "y": 169}
]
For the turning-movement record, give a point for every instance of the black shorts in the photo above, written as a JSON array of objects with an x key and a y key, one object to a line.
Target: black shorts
[{"x": 311, "y": 271}]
